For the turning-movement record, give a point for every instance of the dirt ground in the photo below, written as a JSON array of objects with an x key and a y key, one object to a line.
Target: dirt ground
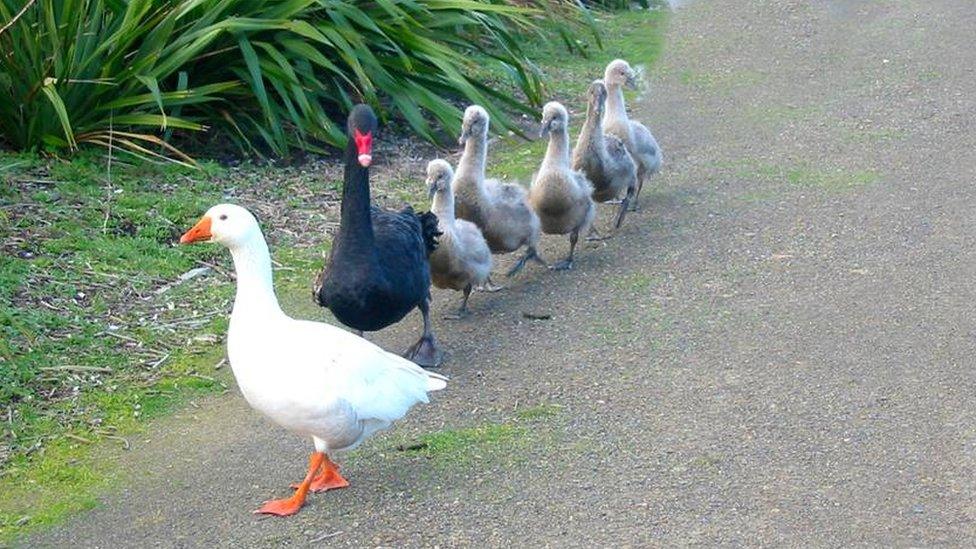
[{"x": 777, "y": 350}]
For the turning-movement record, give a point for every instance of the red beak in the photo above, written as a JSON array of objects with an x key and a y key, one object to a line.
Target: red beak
[
  {"x": 198, "y": 233},
  {"x": 364, "y": 147}
]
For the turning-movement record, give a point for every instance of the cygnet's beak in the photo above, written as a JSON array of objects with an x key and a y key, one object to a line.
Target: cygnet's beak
[
  {"x": 544, "y": 130},
  {"x": 431, "y": 188},
  {"x": 198, "y": 233},
  {"x": 463, "y": 137},
  {"x": 632, "y": 80}
]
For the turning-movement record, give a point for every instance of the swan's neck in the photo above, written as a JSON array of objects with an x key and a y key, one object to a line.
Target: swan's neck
[
  {"x": 356, "y": 225},
  {"x": 471, "y": 167},
  {"x": 443, "y": 205},
  {"x": 255, "y": 289},
  {"x": 592, "y": 132},
  {"x": 616, "y": 109},
  {"x": 557, "y": 154}
]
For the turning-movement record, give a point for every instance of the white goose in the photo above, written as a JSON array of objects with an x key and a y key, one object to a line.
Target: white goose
[{"x": 311, "y": 378}]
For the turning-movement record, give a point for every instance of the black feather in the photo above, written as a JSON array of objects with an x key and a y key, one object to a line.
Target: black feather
[{"x": 428, "y": 226}]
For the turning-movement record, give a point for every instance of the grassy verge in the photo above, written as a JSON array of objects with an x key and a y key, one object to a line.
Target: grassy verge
[{"x": 99, "y": 331}]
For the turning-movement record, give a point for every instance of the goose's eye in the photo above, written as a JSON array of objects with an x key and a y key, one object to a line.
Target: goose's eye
[{"x": 223, "y": 217}]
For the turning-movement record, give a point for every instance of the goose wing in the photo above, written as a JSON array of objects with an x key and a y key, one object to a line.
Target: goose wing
[{"x": 379, "y": 386}]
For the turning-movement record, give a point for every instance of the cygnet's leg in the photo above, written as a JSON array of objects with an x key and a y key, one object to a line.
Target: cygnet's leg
[
  {"x": 425, "y": 352},
  {"x": 530, "y": 253},
  {"x": 640, "y": 185},
  {"x": 463, "y": 309},
  {"x": 631, "y": 195},
  {"x": 567, "y": 263},
  {"x": 489, "y": 286}
]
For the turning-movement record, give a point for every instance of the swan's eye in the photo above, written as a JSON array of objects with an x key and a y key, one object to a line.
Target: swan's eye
[{"x": 223, "y": 217}]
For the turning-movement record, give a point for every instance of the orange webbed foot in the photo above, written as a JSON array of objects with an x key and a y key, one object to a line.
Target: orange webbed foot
[
  {"x": 327, "y": 479},
  {"x": 326, "y": 482},
  {"x": 281, "y": 507}
]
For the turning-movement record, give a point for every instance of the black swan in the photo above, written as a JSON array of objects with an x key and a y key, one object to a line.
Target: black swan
[{"x": 378, "y": 270}]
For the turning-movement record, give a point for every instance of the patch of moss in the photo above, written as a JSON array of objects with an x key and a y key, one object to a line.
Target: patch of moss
[
  {"x": 801, "y": 175},
  {"x": 539, "y": 411},
  {"x": 460, "y": 446}
]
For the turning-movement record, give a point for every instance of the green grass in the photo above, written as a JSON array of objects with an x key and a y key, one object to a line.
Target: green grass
[
  {"x": 514, "y": 159},
  {"x": 875, "y": 136},
  {"x": 796, "y": 175},
  {"x": 638, "y": 282},
  {"x": 781, "y": 114},
  {"x": 66, "y": 478},
  {"x": 712, "y": 81},
  {"x": 539, "y": 411},
  {"x": 461, "y": 446},
  {"x": 88, "y": 252}
]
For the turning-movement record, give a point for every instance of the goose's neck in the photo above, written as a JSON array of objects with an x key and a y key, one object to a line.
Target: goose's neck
[
  {"x": 471, "y": 167},
  {"x": 255, "y": 289},
  {"x": 355, "y": 224},
  {"x": 443, "y": 205},
  {"x": 557, "y": 154},
  {"x": 616, "y": 110}
]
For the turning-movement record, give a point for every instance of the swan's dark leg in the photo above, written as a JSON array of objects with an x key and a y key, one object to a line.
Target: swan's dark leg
[
  {"x": 530, "y": 253},
  {"x": 489, "y": 286},
  {"x": 567, "y": 263},
  {"x": 358, "y": 332},
  {"x": 463, "y": 309},
  {"x": 631, "y": 195},
  {"x": 425, "y": 351}
]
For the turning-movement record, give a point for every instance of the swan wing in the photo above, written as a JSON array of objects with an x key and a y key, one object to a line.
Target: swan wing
[{"x": 644, "y": 142}]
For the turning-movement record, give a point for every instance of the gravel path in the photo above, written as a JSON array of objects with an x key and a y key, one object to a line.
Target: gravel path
[{"x": 777, "y": 350}]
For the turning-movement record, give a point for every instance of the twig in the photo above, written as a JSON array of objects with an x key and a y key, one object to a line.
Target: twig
[
  {"x": 189, "y": 319},
  {"x": 74, "y": 369},
  {"x": 124, "y": 441},
  {"x": 16, "y": 17},
  {"x": 326, "y": 536},
  {"x": 108, "y": 201},
  {"x": 158, "y": 362},
  {"x": 78, "y": 438},
  {"x": 120, "y": 336},
  {"x": 49, "y": 306},
  {"x": 214, "y": 267}
]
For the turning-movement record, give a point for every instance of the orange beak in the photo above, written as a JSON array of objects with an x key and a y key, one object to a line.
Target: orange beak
[{"x": 198, "y": 233}]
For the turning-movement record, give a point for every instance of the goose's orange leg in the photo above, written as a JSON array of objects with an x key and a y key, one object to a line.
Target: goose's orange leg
[
  {"x": 290, "y": 506},
  {"x": 327, "y": 479}
]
